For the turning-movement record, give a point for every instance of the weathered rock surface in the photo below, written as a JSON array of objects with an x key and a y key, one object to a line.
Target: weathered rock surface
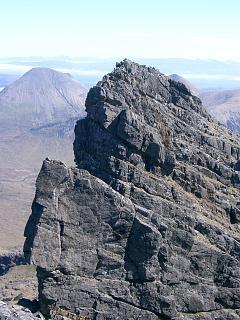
[
  {"x": 15, "y": 313},
  {"x": 147, "y": 227}
]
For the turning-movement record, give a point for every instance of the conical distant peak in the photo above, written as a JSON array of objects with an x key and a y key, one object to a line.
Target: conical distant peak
[
  {"x": 42, "y": 96},
  {"x": 39, "y": 71}
]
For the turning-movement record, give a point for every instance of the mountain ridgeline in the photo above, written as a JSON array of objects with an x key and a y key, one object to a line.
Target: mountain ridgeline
[{"x": 147, "y": 225}]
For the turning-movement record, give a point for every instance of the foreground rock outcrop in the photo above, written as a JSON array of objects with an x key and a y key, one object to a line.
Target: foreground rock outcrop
[
  {"x": 147, "y": 226},
  {"x": 16, "y": 313}
]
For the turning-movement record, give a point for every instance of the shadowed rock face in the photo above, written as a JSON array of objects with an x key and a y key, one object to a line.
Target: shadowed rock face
[{"x": 147, "y": 227}]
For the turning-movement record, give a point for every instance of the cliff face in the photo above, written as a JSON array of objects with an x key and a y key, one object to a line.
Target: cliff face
[{"x": 147, "y": 227}]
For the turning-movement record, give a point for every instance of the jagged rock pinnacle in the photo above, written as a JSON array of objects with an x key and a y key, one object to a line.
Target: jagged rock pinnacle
[{"x": 148, "y": 225}]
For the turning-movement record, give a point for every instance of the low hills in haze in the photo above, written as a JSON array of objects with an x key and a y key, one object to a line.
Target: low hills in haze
[
  {"x": 223, "y": 105},
  {"x": 37, "y": 116}
]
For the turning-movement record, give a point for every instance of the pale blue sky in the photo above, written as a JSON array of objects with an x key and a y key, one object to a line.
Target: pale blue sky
[{"x": 113, "y": 28}]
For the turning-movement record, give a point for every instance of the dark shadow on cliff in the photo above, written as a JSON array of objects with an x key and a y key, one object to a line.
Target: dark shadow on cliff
[{"x": 31, "y": 229}]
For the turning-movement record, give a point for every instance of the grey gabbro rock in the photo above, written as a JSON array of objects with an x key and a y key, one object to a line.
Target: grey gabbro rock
[
  {"x": 16, "y": 313},
  {"x": 147, "y": 226}
]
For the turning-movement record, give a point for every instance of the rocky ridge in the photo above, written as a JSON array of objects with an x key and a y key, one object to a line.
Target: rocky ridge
[{"x": 147, "y": 226}]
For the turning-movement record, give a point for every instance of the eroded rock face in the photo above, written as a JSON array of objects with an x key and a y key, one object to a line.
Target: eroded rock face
[
  {"x": 147, "y": 227},
  {"x": 16, "y": 313}
]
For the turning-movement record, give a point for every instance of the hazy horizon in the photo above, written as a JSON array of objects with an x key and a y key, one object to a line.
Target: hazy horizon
[
  {"x": 195, "y": 39},
  {"x": 204, "y": 73}
]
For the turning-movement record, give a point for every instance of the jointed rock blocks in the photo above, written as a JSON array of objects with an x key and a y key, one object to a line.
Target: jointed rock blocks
[{"x": 147, "y": 226}]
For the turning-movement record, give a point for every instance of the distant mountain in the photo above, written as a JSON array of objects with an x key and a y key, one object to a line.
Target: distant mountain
[
  {"x": 224, "y": 106},
  {"x": 37, "y": 117},
  {"x": 194, "y": 90},
  {"x": 41, "y": 96}
]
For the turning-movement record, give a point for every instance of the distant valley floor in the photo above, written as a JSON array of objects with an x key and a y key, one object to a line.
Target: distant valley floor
[{"x": 20, "y": 161}]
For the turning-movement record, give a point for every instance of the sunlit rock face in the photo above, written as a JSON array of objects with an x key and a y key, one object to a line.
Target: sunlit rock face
[{"x": 147, "y": 225}]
